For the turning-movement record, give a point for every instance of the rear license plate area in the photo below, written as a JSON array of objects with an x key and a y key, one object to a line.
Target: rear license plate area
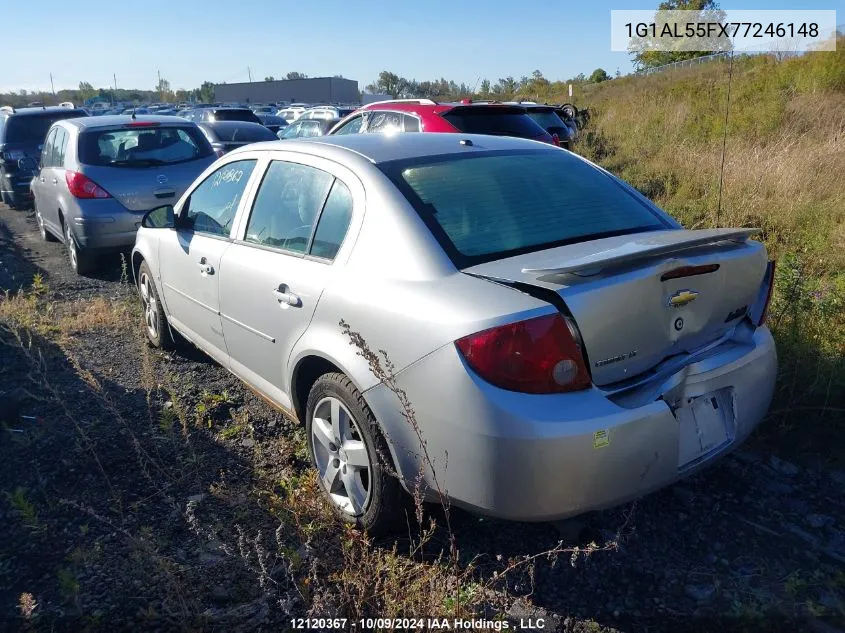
[{"x": 705, "y": 426}]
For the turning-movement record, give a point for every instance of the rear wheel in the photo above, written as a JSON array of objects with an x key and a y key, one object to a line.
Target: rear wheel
[
  {"x": 81, "y": 261},
  {"x": 351, "y": 456},
  {"x": 155, "y": 322}
]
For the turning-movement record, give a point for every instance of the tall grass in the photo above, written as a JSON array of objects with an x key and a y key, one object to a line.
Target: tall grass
[{"x": 784, "y": 171}]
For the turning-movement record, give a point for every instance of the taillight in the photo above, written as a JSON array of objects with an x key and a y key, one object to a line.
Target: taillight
[
  {"x": 556, "y": 140},
  {"x": 761, "y": 309},
  {"x": 81, "y": 186},
  {"x": 142, "y": 124},
  {"x": 539, "y": 355}
]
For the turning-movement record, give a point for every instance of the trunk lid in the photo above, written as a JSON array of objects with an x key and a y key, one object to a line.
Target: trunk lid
[
  {"x": 144, "y": 188},
  {"x": 634, "y": 298}
]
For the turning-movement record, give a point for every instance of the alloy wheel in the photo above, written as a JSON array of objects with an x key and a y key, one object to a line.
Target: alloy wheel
[
  {"x": 148, "y": 298},
  {"x": 341, "y": 456},
  {"x": 71, "y": 248},
  {"x": 41, "y": 228}
]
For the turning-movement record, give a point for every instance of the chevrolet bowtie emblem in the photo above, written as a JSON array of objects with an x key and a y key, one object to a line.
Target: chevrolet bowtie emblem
[{"x": 681, "y": 298}]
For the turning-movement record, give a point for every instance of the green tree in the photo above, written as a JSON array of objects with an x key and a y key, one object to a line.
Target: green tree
[
  {"x": 86, "y": 90},
  {"x": 163, "y": 89},
  {"x": 206, "y": 92},
  {"x": 599, "y": 75},
  {"x": 389, "y": 83},
  {"x": 296, "y": 75},
  {"x": 485, "y": 87},
  {"x": 269, "y": 78}
]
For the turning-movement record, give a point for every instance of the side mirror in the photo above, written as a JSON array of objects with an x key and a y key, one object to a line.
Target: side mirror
[
  {"x": 159, "y": 218},
  {"x": 28, "y": 164}
]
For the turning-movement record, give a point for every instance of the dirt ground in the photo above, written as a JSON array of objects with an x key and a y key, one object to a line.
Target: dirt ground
[{"x": 140, "y": 491}]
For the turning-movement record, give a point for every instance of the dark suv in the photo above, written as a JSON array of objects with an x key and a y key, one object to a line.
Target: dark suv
[
  {"x": 206, "y": 115},
  {"x": 22, "y": 134}
]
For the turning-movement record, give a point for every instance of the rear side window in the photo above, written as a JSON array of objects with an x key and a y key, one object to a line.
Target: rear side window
[
  {"x": 385, "y": 122},
  {"x": 495, "y": 121},
  {"x": 495, "y": 205},
  {"x": 142, "y": 146},
  {"x": 60, "y": 147},
  {"x": 334, "y": 222}
]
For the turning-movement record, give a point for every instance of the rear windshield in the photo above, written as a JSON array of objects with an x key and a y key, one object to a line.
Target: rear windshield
[
  {"x": 243, "y": 133},
  {"x": 32, "y": 128},
  {"x": 236, "y": 115},
  {"x": 142, "y": 147},
  {"x": 494, "y": 205},
  {"x": 492, "y": 120},
  {"x": 545, "y": 119}
]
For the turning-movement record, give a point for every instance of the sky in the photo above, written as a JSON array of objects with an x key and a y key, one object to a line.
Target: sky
[{"x": 219, "y": 40}]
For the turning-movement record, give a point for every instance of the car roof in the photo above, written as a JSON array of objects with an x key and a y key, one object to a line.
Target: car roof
[
  {"x": 112, "y": 120},
  {"x": 39, "y": 110},
  {"x": 381, "y": 148},
  {"x": 225, "y": 125}
]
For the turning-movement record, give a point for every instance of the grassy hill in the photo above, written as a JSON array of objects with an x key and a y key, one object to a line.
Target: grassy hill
[{"x": 784, "y": 171}]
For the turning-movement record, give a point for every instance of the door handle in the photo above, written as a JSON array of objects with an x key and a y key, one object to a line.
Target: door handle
[
  {"x": 284, "y": 295},
  {"x": 55, "y": 181},
  {"x": 205, "y": 267},
  {"x": 42, "y": 178}
]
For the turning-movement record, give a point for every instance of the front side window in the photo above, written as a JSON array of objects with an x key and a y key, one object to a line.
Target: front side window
[
  {"x": 494, "y": 205},
  {"x": 352, "y": 126},
  {"x": 287, "y": 205},
  {"x": 213, "y": 204},
  {"x": 292, "y": 131}
]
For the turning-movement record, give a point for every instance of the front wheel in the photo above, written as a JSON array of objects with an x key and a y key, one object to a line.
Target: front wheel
[
  {"x": 155, "y": 322},
  {"x": 351, "y": 456}
]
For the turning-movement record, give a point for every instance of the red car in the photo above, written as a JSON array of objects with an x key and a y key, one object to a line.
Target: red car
[{"x": 425, "y": 115}]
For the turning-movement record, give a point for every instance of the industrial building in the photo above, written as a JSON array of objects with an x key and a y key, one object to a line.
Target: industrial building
[{"x": 316, "y": 90}]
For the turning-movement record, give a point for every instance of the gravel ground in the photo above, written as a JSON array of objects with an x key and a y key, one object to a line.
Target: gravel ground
[{"x": 114, "y": 518}]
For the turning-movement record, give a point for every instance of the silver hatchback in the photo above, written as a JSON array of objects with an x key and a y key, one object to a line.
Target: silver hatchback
[
  {"x": 565, "y": 345},
  {"x": 98, "y": 176}
]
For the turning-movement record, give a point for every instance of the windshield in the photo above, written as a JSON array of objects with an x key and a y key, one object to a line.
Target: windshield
[
  {"x": 494, "y": 120},
  {"x": 142, "y": 147},
  {"x": 494, "y": 205},
  {"x": 33, "y": 128},
  {"x": 233, "y": 133},
  {"x": 236, "y": 115},
  {"x": 547, "y": 119}
]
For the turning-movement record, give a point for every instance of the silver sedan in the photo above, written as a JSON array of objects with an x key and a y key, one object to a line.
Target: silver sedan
[{"x": 565, "y": 344}]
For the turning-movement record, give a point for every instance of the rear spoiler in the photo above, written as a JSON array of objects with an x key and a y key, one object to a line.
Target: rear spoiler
[{"x": 660, "y": 243}]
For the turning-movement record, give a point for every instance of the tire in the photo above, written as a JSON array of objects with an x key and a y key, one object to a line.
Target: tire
[
  {"x": 81, "y": 261},
  {"x": 382, "y": 508},
  {"x": 42, "y": 230},
  {"x": 155, "y": 322}
]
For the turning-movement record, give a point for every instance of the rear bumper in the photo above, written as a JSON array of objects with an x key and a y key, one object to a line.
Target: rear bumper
[
  {"x": 535, "y": 458},
  {"x": 105, "y": 225},
  {"x": 16, "y": 189}
]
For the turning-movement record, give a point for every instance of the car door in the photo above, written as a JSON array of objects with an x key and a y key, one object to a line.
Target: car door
[
  {"x": 190, "y": 255},
  {"x": 274, "y": 274},
  {"x": 40, "y": 190}
]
